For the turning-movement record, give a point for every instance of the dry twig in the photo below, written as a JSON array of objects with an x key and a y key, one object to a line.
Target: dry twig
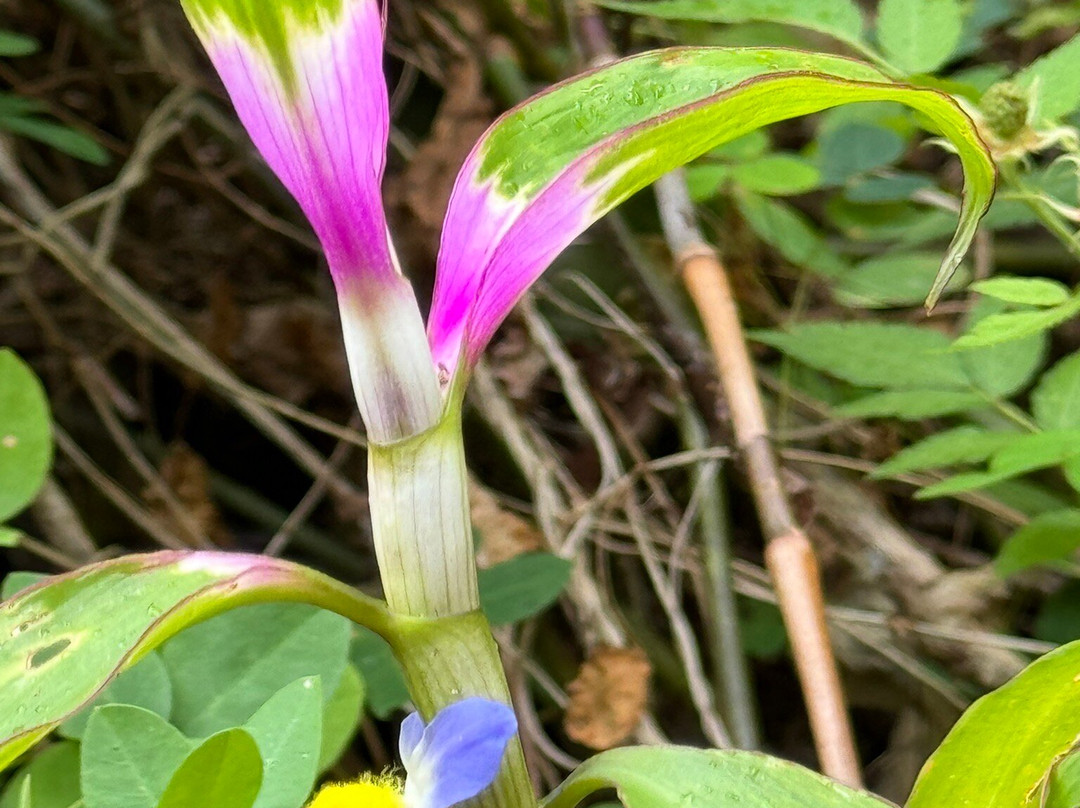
[{"x": 788, "y": 552}]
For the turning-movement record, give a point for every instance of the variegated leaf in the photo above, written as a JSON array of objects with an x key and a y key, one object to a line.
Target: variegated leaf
[
  {"x": 549, "y": 168},
  {"x": 67, "y": 637}
]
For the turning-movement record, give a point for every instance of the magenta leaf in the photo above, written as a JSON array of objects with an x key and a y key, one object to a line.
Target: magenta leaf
[{"x": 549, "y": 168}]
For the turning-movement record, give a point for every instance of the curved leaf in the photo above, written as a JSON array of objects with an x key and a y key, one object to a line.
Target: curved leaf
[
  {"x": 681, "y": 777},
  {"x": 66, "y": 638},
  {"x": 549, "y": 168},
  {"x": 225, "y": 772},
  {"x": 1008, "y": 742}
]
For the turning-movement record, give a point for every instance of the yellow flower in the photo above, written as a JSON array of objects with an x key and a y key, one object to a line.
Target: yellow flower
[{"x": 367, "y": 792}]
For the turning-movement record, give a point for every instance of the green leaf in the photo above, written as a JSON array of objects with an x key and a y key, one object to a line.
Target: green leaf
[
  {"x": 763, "y": 633},
  {"x": 885, "y": 355},
  {"x": 60, "y": 137},
  {"x": 1055, "y": 401},
  {"x": 953, "y": 447},
  {"x": 895, "y": 187},
  {"x": 385, "y": 683},
  {"x": 837, "y": 18},
  {"x": 288, "y": 733},
  {"x": 25, "y": 435},
  {"x": 1006, "y": 743},
  {"x": 1036, "y": 451},
  {"x": 893, "y": 279},
  {"x": 129, "y": 755},
  {"x": 225, "y": 772},
  {"x": 1028, "y": 497},
  {"x": 1025, "y": 454},
  {"x": 50, "y": 780},
  {"x": 15, "y": 106},
  {"x": 1058, "y": 620},
  {"x": 1054, "y": 82},
  {"x": 607, "y": 134},
  {"x": 522, "y": 587},
  {"x": 705, "y": 181},
  {"x": 777, "y": 175},
  {"x": 1071, "y": 468},
  {"x": 9, "y": 536},
  {"x": 791, "y": 234},
  {"x": 69, "y": 636},
  {"x": 1048, "y": 537},
  {"x": 680, "y": 777},
  {"x": 912, "y": 405},
  {"x": 1024, "y": 291},
  {"x": 1012, "y": 325},
  {"x": 905, "y": 224},
  {"x": 13, "y": 44},
  {"x": 16, "y": 582},
  {"x": 918, "y": 36},
  {"x": 751, "y": 145},
  {"x": 145, "y": 685},
  {"x": 856, "y": 147},
  {"x": 1004, "y": 369},
  {"x": 962, "y": 483},
  {"x": 25, "y": 794},
  {"x": 224, "y": 669},
  {"x": 1063, "y": 790},
  {"x": 341, "y": 717}
]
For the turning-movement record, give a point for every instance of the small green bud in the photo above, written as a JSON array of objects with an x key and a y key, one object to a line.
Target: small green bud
[{"x": 1005, "y": 106}]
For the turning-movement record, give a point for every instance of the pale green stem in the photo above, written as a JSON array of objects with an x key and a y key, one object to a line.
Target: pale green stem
[
  {"x": 423, "y": 540},
  {"x": 420, "y": 522}
]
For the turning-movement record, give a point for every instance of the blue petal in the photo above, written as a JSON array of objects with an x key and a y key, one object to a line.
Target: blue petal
[
  {"x": 412, "y": 730},
  {"x": 459, "y": 753}
]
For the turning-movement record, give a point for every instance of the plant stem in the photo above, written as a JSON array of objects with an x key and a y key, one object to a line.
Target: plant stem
[
  {"x": 732, "y": 672},
  {"x": 420, "y": 521},
  {"x": 423, "y": 540},
  {"x": 788, "y": 554},
  {"x": 451, "y": 658},
  {"x": 1051, "y": 219}
]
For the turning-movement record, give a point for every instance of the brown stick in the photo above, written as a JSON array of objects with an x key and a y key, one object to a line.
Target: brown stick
[{"x": 789, "y": 554}]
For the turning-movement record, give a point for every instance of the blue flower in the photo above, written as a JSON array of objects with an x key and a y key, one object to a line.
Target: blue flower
[
  {"x": 448, "y": 761},
  {"x": 457, "y": 755}
]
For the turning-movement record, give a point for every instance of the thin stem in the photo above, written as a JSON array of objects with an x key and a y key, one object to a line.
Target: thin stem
[
  {"x": 789, "y": 554},
  {"x": 1014, "y": 414},
  {"x": 732, "y": 673},
  {"x": 1051, "y": 219}
]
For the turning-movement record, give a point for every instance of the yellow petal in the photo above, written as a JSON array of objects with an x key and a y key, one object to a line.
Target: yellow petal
[{"x": 365, "y": 793}]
